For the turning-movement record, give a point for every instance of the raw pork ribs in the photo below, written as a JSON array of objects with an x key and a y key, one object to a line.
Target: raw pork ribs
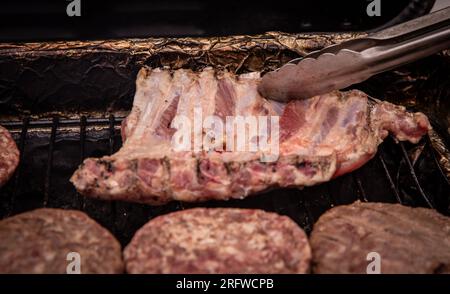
[{"x": 319, "y": 138}]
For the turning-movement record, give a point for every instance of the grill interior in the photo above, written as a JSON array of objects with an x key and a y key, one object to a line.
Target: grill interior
[{"x": 51, "y": 150}]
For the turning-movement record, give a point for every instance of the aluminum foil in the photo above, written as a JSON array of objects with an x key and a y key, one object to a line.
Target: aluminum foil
[{"x": 97, "y": 77}]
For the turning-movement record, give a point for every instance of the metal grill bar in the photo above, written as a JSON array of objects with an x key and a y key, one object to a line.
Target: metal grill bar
[
  {"x": 82, "y": 136},
  {"x": 332, "y": 197},
  {"x": 111, "y": 151},
  {"x": 389, "y": 178},
  {"x": 414, "y": 176},
  {"x": 80, "y": 198},
  {"x": 361, "y": 192},
  {"x": 48, "y": 172},
  {"x": 62, "y": 122},
  {"x": 23, "y": 136},
  {"x": 111, "y": 134},
  {"x": 436, "y": 162},
  {"x": 310, "y": 217},
  {"x": 306, "y": 221}
]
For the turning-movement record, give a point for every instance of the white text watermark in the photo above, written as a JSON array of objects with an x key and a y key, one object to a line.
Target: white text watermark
[{"x": 235, "y": 134}]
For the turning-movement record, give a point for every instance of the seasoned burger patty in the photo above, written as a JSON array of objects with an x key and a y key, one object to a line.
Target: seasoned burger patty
[
  {"x": 39, "y": 242},
  {"x": 408, "y": 240},
  {"x": 219, "y": 240},
  {"x": 9, "y": 156}
]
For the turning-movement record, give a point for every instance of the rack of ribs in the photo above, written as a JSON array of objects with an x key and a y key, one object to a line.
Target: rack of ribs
[{"x": 317, "y": 139}]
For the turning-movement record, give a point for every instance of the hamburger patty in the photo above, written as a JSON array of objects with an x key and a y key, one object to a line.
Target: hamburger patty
[
  {"x": 9, "y": 156},
  {"x": 219, "y": 240},
  {"x": 408, "y": 240},
  {"x": 40, "y": 241}
]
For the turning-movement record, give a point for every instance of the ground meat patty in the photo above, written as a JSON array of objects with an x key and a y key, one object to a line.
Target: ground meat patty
[
  {"x": 408, "y": 240},
  {"x": 39, "y": 242},
  {"x": 219, "y": 240},
  {"x": 9, "y": 156}
]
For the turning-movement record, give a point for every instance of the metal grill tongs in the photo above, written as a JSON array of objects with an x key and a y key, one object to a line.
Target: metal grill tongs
[{"x": 339, "y": 66}]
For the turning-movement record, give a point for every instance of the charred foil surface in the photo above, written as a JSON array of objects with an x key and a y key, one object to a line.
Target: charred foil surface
[
  {"x": 64, "y": 102},
  {"x": 100, "y": 76}
]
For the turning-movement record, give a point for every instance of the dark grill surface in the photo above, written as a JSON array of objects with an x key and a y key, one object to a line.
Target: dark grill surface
[{"x": 52, "y": 149}]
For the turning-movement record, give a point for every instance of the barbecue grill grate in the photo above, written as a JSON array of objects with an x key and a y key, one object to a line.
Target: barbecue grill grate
[{"x": 57, "y": 146}]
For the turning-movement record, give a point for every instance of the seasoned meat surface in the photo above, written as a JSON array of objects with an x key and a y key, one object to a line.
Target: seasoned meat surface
[
  {"x": 9, "y": 156},
  {"x": 408, "y": 240},
  {"x": 44, "y": 240},
  {"x": 316, "y": 139},
  {"x": 219, "y": 240}
]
